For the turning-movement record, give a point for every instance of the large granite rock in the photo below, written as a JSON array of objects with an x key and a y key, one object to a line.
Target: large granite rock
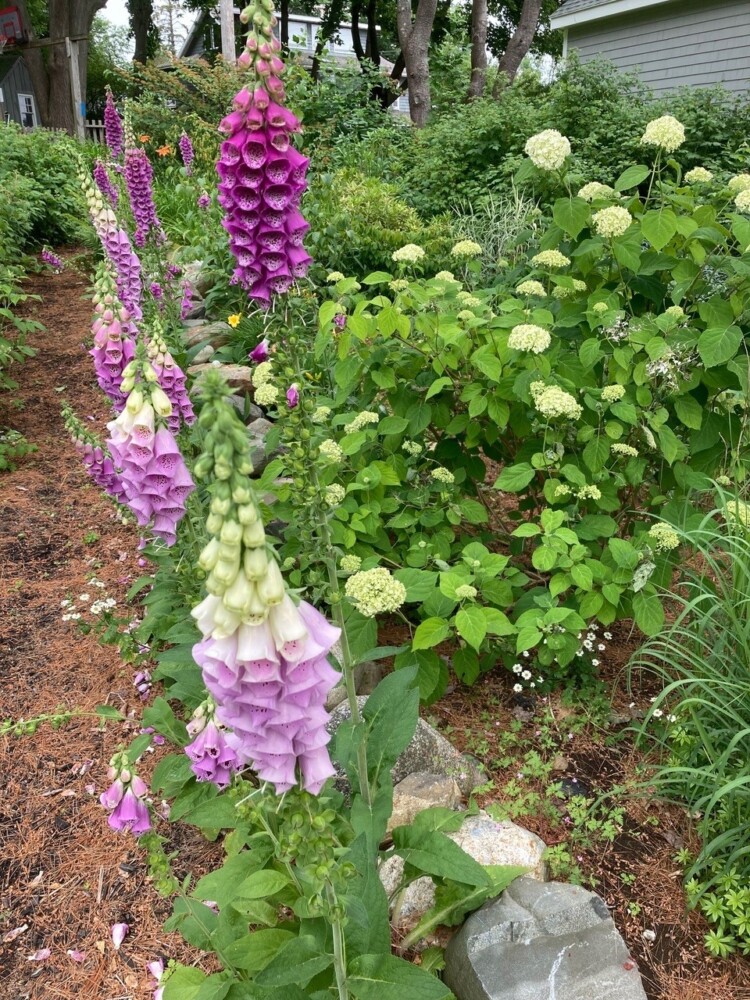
[
  {"x": 487, "y": 841},
  {"x": 259, "y": 455},
  {"x": 236, "y": 376},
  {"x": 541, "y": 941},
  {"x": 216, "y": 334},
  {"x": 421, "y": 791},
  {"x": 428, "y": 751}
]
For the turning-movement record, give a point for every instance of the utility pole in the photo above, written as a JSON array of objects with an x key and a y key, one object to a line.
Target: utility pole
[{"x": 228, "y": 49}]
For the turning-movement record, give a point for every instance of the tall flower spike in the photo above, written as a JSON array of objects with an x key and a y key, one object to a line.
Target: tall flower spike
[
  {"x": 171, "y": 378},
  {"x": 113, "y": 330},
  {"x": 104, "y": 183},
  {"x": 262, "y": 656},
  {"x": 186, "y": 152},
  {"x": 97, "y": 462},
  {"x": 155, "y": 479},
  {"x": 113, "y": 132},
  {"x": 262, "y": 175},
  {"x": 138, "y": 178}
]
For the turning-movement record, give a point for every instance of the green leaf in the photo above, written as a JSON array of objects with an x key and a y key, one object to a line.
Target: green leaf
[
  {"x": 514, "y": 478},
  {"x": 437, "y": 386},
  {"x": 632, "y": 177},
  {"x": 390, "y": 714},
  {"x": 109, "y": 712},
  {"x": 659, "y": 226},
  {"x": 471, "y": 625},
  {"x": 717, "y": 345},
  {"x": 689, "y": 412},
  {"x": 419, "y": 583},
  {"x": 582, "y": 576},
  {"x": 571, "y": 214},
  {"x": 393, "y": 425},
  {"x": 430, "y": 632},
  {"x": 497, "y": 622},
  {"x": 435, "y": 854},
  {"x": 385, "y": 977},
  {"x": 262, "y": 884},
  {"x": 589, "y": 352},
  {"x": 184, "y": 983},
  {"x": 465, "y": 663},
  {"x": 253, "y": 952},
  {"x": 217, "y": 814},
  {"x": 376, "y": 278},
  {"x": 596, "y": 453},
  {"x": 648, "y": 613},
  {"x": 223, "y": 884},
  {"x": 297, "y": 962},
  {"x": 161, "y": 717}
]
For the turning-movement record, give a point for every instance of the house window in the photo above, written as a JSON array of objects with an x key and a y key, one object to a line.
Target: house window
[{"x": 28, "y": 110}]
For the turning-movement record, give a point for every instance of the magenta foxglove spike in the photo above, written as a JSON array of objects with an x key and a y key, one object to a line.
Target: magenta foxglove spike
[{"x": 113, "y": 130}]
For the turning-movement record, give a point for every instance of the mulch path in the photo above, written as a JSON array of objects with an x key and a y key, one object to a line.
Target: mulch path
[{"x": 65, "y": 878}]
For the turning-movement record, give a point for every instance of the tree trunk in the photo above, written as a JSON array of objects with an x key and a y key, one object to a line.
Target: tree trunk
[
  {"x": 518, "y": 45},
  {"x": 284, "y": 23},
  {"x": 414, "y": 38},
  {"x": 359, "y": 52},
  {"x": 478, "y": 48},
  {"x": 51, "y": 79},
  {"x": 372, "y": 50},
  {"x": 141, "y": 24}
]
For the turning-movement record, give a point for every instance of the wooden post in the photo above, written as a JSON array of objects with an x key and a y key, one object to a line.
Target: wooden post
[
  {"x": 228, "y": 50},
  {"x": 79, "y": 112}
]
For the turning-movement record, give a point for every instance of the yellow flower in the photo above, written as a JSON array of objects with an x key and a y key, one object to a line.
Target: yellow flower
[{"x": 234, "y": 320}]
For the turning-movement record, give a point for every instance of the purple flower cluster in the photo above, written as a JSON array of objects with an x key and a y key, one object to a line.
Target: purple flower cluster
[
  {"x": 172, "y": 380},
  {"x": 154, "y": 476},
  {"x": 104, "y": 183},
  {"x": 186, "y": 303},
  {"x": 142, "y": 684},
  {"x": 138, "y": 178},
  {"x": 270, "y": 684},
  {"x": 204, "y": 200},
  {"x": 263, "y": 176},
  {"x": 187, "y": 152},
  {"x": 100, "y": 467},
  {"x": 113, "y": 348},
  {"x": 125, "y": 800},
  {"x": 113, "y": 130},
  {"x": 127, "y": 267},
  {"x": 212, "y": 757},
  {"x": 52, "y": 260}
]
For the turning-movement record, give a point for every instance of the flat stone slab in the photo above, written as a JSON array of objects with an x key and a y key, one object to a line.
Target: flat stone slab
[
  {"x": 216, "y": 334},
  {"x": 421, "y": 791},
  {"x": 237, "y": 376},
  {"x": 542, "y": 941}
]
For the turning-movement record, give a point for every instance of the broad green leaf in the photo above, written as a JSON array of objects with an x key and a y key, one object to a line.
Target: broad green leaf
[
  {"x": 385, "y": 977},
  {"x": 689, "y": 412},
  {"x": 262, "y": 884},
  {"x": 437, "y": 386},
  {"x": 596, "y": 453},
  {"x": 632, "y": 177},
  {"x": 161, "y": 717},
  {"x": 582, "y": 576},
  {"x": 571, "y": 214},
  {"x": 419, "y": 583},
  {"x": 296, "y": 963},
  {"x": 184, "y": 983},
  {"x": 253, "y": 952},
  {"x": 431, "y": 632},
  {"x": 435, "y": 854},
  {"x": 377, "y": 278},
  {"x": 514, "y": 478},
  {"x": 659, "y": 226},
  {"x": 465, "y": 663},
  {"x": 471, "y": 625},
  {"x": 648, "y": 613},
  {"x": 717, "y": 345},
  {"x": 109, "y": 712},
  {"x": 393, "y": 425}
]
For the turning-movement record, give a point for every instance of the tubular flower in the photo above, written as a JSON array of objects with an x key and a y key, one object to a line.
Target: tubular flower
[
  {"x": 114, "y": 344},
  {"x": 613, "y": 221},
  {"x": 259, "y": 352},
  {"x": 212, "y": 758},
  {"x": 104, "y": 183},
  {"x": 263, "y": 657},
  {"x": 186, "y": 152},
  {"x": 138, "y": 178},
  {"x": 262, "y": 175},
  {"x": 97, "y": 462},
  {"x": 528, "y": 337},
  {"x": 665, "y": 132},
  {"x": 186, "y": 302},
  {"x": 125, "y": 799},
  {"x": 548, "y": 150},
  {"x": 52, "y": 260},
  {"x": 171, "y": 378},
  {"x": 154, "y": 476},
  {"x": 113, "y": 132}
]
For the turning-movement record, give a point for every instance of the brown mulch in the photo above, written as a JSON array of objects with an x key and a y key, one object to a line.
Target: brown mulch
[{"x": 65, "y": 878}]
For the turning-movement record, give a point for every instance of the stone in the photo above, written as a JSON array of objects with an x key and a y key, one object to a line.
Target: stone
[
  {"x": 421, "y": 791},
  {"x": 216, "y": 334},
  {"x": 486, "y": 840},
  {"x": 204, "y": 354},
  {"x": 541, "y": 941},
  {"x": 428, "y": 751},
  {"x": 246, "y": 409},
  {"x": 197, "y": 310},
  {"x": 367, "y": 676},
  {"x": 237, "y": 376},
  {"x": 199, "y": 278},
  {"x": 259, "y": 454}
]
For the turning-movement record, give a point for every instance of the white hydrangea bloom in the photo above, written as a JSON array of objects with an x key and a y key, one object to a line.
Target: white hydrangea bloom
[
  {"x": 331, "y": 451},
  {"x": 613, "y": 393},
  {"x": 612, "y": 221},
  {"x": 550, "y": 258},
  {"x": 408, "y": 254},
  {"x": 445, "y": 276},
  {"x": 361, "y": 420},
  {"x": 698, "y": 175},
  {"x": 335, "y": 493},
  {"x": 466, "y": 591},
  {"x": 412, "y": 448},
  {"x": 321, "y": 414},
  {"x": 665, "y": 132},
  {"x": 350, "y": 564},
  {"x": 561, "y": 292},
  {"x": 589, "y": 493},
  {"x": 375, "y": 592},
  {"x": 262, "y": 373},
  {"x": 466, "y": 248},
  {"x": 468, "y": 300},
  {"x": 552, "y": 401},
  {"x": 594, "y": 190},
  {"x": 676, "y": 312},
  {"x": 527, "y": 337},
  {"x": 441, "y": 475},
  {"x": 739, "y": 512},
  {"x": 531, "y": 287},
  {"x": 398, "y": 285},
  {"x": 740, "y": 182},
  {"x": 548, "y": 150},
  {"x": 562, "y": 490},
  {"x": 335, "y": 276},
  {"x": 600, "y": 307},
  {"x": 625, "y": 449},
  {"x": 266, "y": 394},
  {"x": 664, "y": 537},
  {"x": 742, "y": 201},
  {"x": 466, "y": 315}
]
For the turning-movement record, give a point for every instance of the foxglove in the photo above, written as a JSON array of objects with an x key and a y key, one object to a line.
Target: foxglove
[
  {"x": 125, "y": 799},
  {"x": 212, "y": 758},
  {"x": 105, "y": 185},
  {"x": 187, "y": 152},
  {"x": 138, "y": 179},
  {"x": 113, "y": 330},
  {"x": 262, "y": 175},
  {"x": 171, "y": 378},
  {"x": 113, "y": 132},
  {"x": 96, "y": 461}
]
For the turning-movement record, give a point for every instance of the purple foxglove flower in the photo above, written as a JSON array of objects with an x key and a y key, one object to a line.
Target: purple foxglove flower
[
  {"x": 292, "y": 395},
  {"x": 104, "y": 184},
  {"x": 142, "y": 684},
  {"x": 212, "y": 758},
  {"x": 340, "y": 320},
  {"x": 186, "y": 303},
  {"x": 204, "y": 200},
  {"x": 112, "y": 351},
  {"x": 270, "y": 684},
  {"x": 138, "y": 178},
  {"x": 131, "y": 815},
  {"x": 113, "y": 130},
  {"x": 127, "y": 268},
  {"x": 186, "y": 151},
  {"x": 52, "y": 260},
  {"x": 41, "y": 955},
  {"x": 157, "y": 291},
  {"x": 113, "y": 795},
  {"x": 259, "y": 352},
  {"x": 119, "y": 933}
]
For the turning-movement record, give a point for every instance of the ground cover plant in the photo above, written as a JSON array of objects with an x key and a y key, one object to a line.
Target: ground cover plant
[{"x": 487, "y": 452}]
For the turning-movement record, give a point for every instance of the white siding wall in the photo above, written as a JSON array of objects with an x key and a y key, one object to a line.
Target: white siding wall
[{"x": 693, "y": 42}]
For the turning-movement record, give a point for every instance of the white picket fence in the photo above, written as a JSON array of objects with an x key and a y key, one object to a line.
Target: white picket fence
[{"x": 95, "y": 130}]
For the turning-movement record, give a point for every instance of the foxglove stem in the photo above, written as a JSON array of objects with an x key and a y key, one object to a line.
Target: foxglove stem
[{"x": 339, "y": 943}]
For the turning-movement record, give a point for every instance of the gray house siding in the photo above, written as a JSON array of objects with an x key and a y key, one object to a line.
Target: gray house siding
[
  {"x": 14, "y": 81},
  {"x": 689, "y": 43}
]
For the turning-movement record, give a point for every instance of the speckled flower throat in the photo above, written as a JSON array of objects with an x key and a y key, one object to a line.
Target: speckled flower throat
[{"x": 262, "y": 174}]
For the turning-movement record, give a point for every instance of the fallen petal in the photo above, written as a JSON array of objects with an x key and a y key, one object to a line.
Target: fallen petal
[
  {"x": 40, "y": 955},
  {"x": 12, "y": 935},
  {"x": 77, "y": 956},
  {"x": 119, "y": 932}
]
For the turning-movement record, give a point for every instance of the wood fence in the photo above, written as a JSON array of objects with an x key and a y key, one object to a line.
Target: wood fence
[{"x": 95, "y": 130}]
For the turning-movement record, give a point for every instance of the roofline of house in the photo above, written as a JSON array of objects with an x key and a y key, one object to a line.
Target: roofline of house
[{"x": 610, "y": 8}]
